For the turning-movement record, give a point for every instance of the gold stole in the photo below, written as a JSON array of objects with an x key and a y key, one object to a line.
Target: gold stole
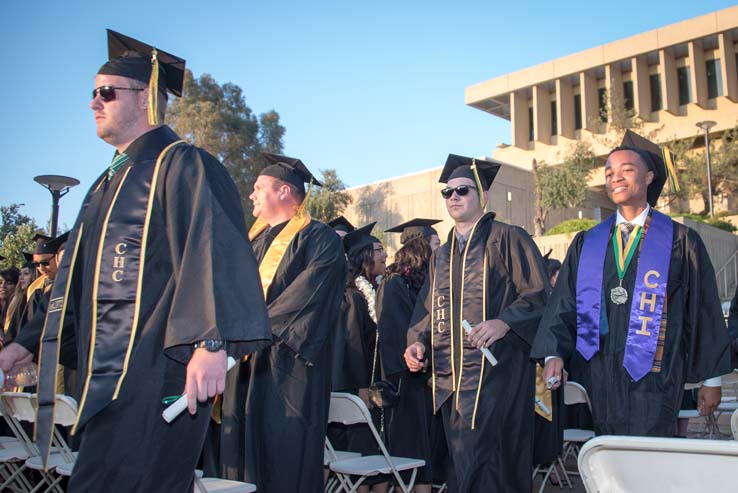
[
  {"x": 273, "y": 257},
  {"x": 544, "y": 395},
  {"x": 37, "y": 284}
]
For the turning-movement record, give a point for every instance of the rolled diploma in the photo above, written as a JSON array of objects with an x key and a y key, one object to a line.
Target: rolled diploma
[
  {"x": 487, "y": 353},
  {"x": 180, "y": 404}
]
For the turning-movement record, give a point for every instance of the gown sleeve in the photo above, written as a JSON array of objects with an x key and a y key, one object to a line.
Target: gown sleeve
[
  {"x": 394, "y": 309},
  {"x": 421, "y": 319}
]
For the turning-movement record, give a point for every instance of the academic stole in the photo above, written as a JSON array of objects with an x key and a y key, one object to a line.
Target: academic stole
[
  {"x": 116, "y": 291},
  {"x": 649, "y": 293},
  {"x": 444, "y": 321}
]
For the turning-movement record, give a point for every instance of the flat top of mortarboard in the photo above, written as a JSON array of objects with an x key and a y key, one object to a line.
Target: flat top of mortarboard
[
  {"x": 40, "y": 248},
  {"x": 341, "y": 224},
  {"x": 289, "y": 169},
  {"x": 460, "y": 166},
  {"x": 359, "y": 238},
  {"x": 414, "y": 228},
  {"x": 57, "y": 242},
  {"x": 129, "y": 57},
  {"x": 27, "y": 256},
  {"x": 653, "y": 157}
]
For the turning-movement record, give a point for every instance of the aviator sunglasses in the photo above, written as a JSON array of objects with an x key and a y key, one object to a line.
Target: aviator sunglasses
[
  {"x": 461, "y": 190},
  {"x": 107, "y": 93}
]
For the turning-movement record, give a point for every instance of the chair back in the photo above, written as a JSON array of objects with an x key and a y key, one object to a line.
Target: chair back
[
  {"x": 347, "y": 409},
  {"x": 734, "y": 424},
  {"x": 575, "y": 393},
  {"x": 65, "y": 410},
  {"x": 645, "y": 464},
  {"x": 20, "y": 405}
]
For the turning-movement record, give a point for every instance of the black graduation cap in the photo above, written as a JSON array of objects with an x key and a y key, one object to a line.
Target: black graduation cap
[
  {"x": 341, "y": 224},
  {"x": 288, "y": 169},
  {"x": 28, "y": 257},
  {"x": 128, "y": 57},
  {"x": 658, "y": 160},
  {"x": 461, "y": 167},
  {"x": 358, "y": 239},
  {"x": 414, "y": 228},
  {"x": 57, "y": 242},
  {"x": 41, "y": 247}
]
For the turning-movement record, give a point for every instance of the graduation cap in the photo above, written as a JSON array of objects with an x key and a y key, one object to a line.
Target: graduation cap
[
  {"x": 56, "y": 243},
  {"x": 288, "y": 169},
  {"x": 358, "y": 239},
  {"x": 162, "y": 71},
  {"x": 341, "y": 224},
  {"x": 414, "y": 228},
  {"x": 481, "y": 171},
  {"x": 552, "y": 264},
  {"x": 28, "y": 257},
  {"x": 41, "y": 247},
  {"x": 657, "y": 159}
]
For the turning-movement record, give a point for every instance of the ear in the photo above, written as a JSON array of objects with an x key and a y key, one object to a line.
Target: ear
[{"x": 649, "y": 177}]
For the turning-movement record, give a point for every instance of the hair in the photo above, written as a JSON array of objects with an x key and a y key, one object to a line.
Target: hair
[
  {"x": 361, "y": 263},
  {"x": 552, "y": 266},
  {"x": 297, "y": 192},
  {"x": 11, "y": 275},
  {"x": 411, "y": 261}
]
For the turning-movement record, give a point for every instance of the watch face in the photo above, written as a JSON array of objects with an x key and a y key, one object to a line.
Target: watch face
[{"x": 213, "y": 345}]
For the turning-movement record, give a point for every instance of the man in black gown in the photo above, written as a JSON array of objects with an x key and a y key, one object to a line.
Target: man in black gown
[
  {"x": 492, "y": 275},
  {"x": 647, "y": 326},
  {"x": 303, "y": 271},
  {"x": 143, "y": 304}
]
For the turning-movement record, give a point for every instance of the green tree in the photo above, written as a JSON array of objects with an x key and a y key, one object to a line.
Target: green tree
[
  {"x": 331, "y": 199},
  {"x": 15, "y": 243},
  {"x": 216, "y": 117},
  {"x": 12, "y": 219},
  {"x": 561, "y": 186}
]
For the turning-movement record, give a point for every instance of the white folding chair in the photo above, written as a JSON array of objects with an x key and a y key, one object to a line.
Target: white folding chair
[
  {"x": 331, "y": 455},
  {"x": 61, "y": 459},
  {"x": 618, "y": 464},
  {"x": 710, "y": 425},
  {"x": 734, "y": 424},
  {"x": 217, "y": 485},
  {"x": 13, "y": 454},
  {"x": 349, "y": 409},
  {"x": 22, "y": 407},
  {"x": 574, "y": 438}
]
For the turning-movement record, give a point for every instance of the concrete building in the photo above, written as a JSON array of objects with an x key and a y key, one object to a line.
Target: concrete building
[{"x": 669, "y": 79}]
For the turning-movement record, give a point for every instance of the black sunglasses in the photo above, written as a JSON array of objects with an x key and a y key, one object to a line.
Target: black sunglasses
[
  {"x": 461, "y": 190},
  {"x": 107, "y": 93},
  {"x": 45, "y": 263}
]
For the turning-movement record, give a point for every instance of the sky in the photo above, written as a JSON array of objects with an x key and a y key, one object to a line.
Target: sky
[{"x": 373, "y": 89}]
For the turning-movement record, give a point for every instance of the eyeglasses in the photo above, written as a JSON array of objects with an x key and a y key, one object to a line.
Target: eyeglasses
[
  {"x": 107, "y": 93},
  {"x": 461, "y": 190},
  {"x": 44, "y": 263}
]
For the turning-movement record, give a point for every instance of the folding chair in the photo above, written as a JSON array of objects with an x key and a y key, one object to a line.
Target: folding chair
[
  {"x": 331, "y": 455},
  {"x": 22, "y": 407},
  {"x": 14, "y": 452},
  {"x": 217, "y": 485},
  {"x": 62, "y": 459},
  {"x": 349, "y": 409},
  {"x": 734, "y": 424},
  {"x": 618, "y": 464},
  {"x": 574, "y": 438},
  {"x": 710, "y": 425}
]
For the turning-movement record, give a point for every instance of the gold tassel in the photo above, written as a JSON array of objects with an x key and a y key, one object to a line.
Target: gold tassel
[
  {"x": 670, "y": 169},
  {"x": 303, "y": 207},
  {"x": 479, "y": 183},
  {"x": 154, "y": 90}
]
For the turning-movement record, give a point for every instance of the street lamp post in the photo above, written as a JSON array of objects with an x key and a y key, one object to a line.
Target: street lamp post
[
  {"x": 58, "y": 186},
  {"x": 706, "y": 126}
]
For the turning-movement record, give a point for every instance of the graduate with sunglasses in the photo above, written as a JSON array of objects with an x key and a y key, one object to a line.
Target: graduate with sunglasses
[
  {"x": 637, "y": 299},
  {"x": 491, "y": 275},
  {"x": 145, "y": 292}
]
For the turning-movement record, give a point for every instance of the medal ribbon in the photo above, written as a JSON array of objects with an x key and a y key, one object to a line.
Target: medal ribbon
[{"x": 624, "y": 255}]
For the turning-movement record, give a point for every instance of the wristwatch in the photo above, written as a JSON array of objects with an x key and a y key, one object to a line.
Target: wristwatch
[{"x": 210, "y": 345}]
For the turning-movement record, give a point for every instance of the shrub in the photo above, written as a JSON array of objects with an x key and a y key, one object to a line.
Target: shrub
[{"x": 572, "y": 226}]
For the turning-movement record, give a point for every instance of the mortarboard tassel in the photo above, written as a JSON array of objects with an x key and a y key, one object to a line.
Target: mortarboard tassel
[
  {"x": 154, "y": 90},
  {"x": 670, "y": 169},
  {"x": 479, "y": 183}
]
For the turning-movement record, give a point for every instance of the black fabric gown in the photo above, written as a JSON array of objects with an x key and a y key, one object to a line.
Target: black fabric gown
[
  {"x": 285, "y": 389},
  {"x": 409, "y": 433},
  {"x": 197, "y": 250},
  {"x": 695, "y": 348},
  {"x": 497, "y": 454}
]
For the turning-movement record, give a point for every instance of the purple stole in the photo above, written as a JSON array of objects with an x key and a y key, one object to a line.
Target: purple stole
[{"x": 647, "y": 298}]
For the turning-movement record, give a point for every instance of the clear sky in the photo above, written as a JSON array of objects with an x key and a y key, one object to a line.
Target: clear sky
[{"x": 374, "y": 89}]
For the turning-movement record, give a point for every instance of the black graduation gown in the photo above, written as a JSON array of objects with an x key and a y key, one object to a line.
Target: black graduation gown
[
  {"x": 197, "y": 250},
  {"x": 410, "y": 420},
  {"x": 282, "y": 432},
  {"x": 497, "y": 454},
  {"x": 733, "y": 328},
  {"x": 695, "y": 348},
  {"x": 359, "y": 343}
]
